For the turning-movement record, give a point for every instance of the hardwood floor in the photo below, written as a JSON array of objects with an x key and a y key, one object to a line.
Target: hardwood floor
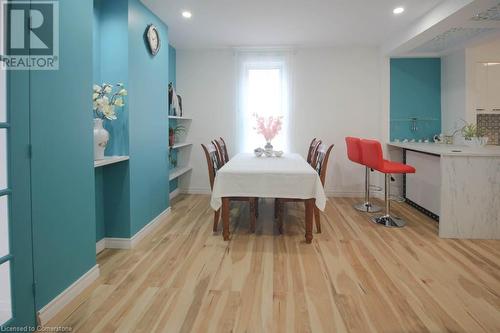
[{"x": 355, "y": 277}]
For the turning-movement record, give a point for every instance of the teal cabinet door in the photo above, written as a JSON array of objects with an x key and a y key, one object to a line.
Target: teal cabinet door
[{"x": 17, "y": 304}]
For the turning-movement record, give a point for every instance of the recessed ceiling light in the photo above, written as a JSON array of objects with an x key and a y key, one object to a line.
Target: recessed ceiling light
[
  {"x": 398, "y": 10},
  {"x": 186, "y": 14}
]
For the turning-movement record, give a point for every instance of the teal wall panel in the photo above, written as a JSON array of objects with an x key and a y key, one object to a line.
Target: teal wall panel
[
  {"x": 96, "y": 42},
  {"x": 63, "y": 198},
  {"x": 148, "y": 121},
  {"x": 172, "y": 77},
  {"x": 100, "y": 230},
  {"x": 116, "y": 193},
  {"x": 131, "y": 194},
  {"x": 415, "y": 93},
  {"x": 18, "y": 105},
  {"x": 113, "y": 64},
  {"x": 172, "y": 65}
]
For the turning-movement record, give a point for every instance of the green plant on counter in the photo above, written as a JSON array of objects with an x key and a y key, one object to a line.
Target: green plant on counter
[{"x": 470, "y": 131}]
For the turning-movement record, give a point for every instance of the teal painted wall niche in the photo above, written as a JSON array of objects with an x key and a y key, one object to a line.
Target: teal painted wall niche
[
  {"x": 62, "y": 170},
  {"x": 131, "y": 194},
  {"x": 113, "y": 63},
  {"x": 415, "y": 90},
  {"x": 110, "y": 65}
]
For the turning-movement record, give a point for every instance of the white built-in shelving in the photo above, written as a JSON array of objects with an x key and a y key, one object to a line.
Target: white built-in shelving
[
  {"x": 110, "y": 160},
  {"x": 179, "y": 118},
  {"x": 181, "y": 149},
  {"x": 179, "y": 171},
  {"x": 181, "y": 145}
]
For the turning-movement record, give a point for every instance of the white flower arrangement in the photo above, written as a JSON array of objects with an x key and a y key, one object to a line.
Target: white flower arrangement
[{"x": 105, "y": 101}]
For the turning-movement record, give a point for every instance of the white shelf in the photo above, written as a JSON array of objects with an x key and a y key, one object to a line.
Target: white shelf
[
  {"x": 181, "y": 145},
  {"x": 179, "y": 171},
  {"x": 110, "y": 160},
  {"x": 179, "y": 118}
]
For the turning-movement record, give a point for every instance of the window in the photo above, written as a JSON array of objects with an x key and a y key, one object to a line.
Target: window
[{"x": 264, "y": 91}]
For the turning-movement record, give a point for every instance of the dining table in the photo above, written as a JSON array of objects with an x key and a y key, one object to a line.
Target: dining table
[{"x": 288, "y": 177}]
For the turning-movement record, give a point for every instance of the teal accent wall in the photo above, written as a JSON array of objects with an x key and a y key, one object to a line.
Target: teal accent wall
[
  {"x": 63, "y": 198},
  {"x": 96, "y": 43},
  {"x": 110, "y": 65},
  {"x": 113, "y": 63},
  {"x": 131, "y": 194},
  {"x": 415, "y": 93},
  {"x": 20, "y": 227},
  {"x": 172, "y": 77},
  {"x": 172, "y": 64},
  {"x": 148, "y": 104}
]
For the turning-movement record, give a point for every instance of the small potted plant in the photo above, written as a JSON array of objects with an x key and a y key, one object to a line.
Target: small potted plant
[
  {"x": 105, "y": 101},
  {"x": 473, "y": 136},
  {"x": 173, "y": 132}
]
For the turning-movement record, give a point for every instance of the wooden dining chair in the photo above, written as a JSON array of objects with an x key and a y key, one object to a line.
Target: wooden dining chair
[
  {"x": 320, "y": 164},
  {"x": 214, "y": 165},
  {"x": 223, "y": 156},
  {"x": 313, "y": 147},
  {"x": 221, "y": 147}
]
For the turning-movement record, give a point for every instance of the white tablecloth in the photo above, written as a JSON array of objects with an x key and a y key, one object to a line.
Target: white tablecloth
[{"x": 289, "y": 176}]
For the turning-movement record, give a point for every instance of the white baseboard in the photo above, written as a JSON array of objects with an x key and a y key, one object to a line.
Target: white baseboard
[
  {"x": 174, "y": 193},
  {"x": 118, "y": 243},
  {"x": 148, "y": 228},
  {"x": 63, "y": 299},
  {"x": 196, "y": 190},
  {"x": 129, "y": 243},
  {"x": 344, "y": 194},
  {"x": 100, "y": 246}
]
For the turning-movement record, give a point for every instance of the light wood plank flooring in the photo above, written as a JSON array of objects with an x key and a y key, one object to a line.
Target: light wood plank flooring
[{"x": 355, "y": 277}]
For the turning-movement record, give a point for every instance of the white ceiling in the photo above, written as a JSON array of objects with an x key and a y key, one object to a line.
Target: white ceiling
[
  {"x": 453, "y": 25},
  {"x": 227, "y": 23}
]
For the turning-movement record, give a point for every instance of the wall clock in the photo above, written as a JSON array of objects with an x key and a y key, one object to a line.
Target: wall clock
[{"x": 153, "y": 37}]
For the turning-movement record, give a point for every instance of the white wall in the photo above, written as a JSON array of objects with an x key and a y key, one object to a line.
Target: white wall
[
  {"x": 453, "y": 91},
  {"x": 336, "y": 93},
  {"x": 486, "y": 52},
  {"x": 458, "y": 84}
]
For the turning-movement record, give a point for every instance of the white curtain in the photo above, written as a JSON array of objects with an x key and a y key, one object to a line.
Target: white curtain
[{"x": 264, "y": 86}]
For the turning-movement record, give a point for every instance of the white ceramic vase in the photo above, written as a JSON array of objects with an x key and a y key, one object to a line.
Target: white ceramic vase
[
  {"x": 476, "y": 142},
  {"x": 101, "y": 138}
]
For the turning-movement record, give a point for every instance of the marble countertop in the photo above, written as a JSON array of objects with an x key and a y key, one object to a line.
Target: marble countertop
[{"x": 449, "y": 150}]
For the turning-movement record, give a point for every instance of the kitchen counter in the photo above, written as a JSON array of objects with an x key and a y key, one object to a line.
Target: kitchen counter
[
  {"x": 442, "y": 149},
  {"x": 460, "y": 184}
]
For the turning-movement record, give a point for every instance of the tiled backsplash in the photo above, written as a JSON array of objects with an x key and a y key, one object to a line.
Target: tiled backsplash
[{"x": 489, "y": 125}]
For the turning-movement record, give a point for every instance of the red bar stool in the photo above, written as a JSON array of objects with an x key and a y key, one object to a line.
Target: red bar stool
[
  {"x": 354, "y": 154},
  {"x": 371, "y": 151}
]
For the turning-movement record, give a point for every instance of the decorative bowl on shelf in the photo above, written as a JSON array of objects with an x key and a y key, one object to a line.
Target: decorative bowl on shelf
[
  {"x": 278, "y": 153},
  {"x": 258, "y": 152}
]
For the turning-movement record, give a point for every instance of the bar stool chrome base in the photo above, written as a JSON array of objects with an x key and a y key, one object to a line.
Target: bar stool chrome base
[
  {"x": 389, "y": 221},
  {"x": 368, "y": 207}
]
